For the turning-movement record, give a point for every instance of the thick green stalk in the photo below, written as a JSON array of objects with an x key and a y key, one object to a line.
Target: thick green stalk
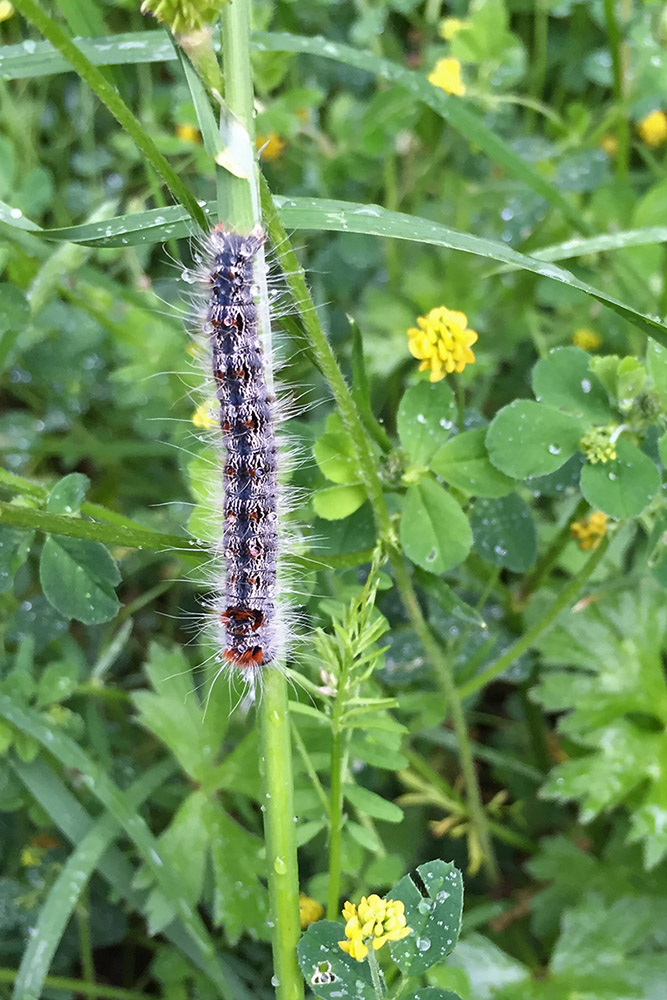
[
  {"x": 329, "y": 367},
  {"x": 238, "y": 198},
  {"x": 33, "y": 12},
  {"x": 279, "y": 827},
  {"x": 529, "y": 638}
]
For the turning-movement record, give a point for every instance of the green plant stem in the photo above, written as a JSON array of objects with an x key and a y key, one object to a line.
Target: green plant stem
[
  {"x": 546, "y": 563},
  {"x": 310, "y": 769},
  {"x": 79, "y": 986},
  {"x": 376, "y": 973},
  {"x": 336, "y": 769},
  {"x": 87, "y": 963},
  {"x": 335, "y": 824},
  {"x": 239, "y": 199},
  {"x": 279, "y": 826},
  {"x": 328, "y": 365},
  {"x": 622, "y": 124},
  {"x": 33, "y": 12},
  {"x": 445, "y": 676},
  {"x": 529, "y": 638},
  {"x": 539, "y": 60}
]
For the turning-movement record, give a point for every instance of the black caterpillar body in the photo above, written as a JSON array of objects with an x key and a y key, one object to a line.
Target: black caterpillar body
[{"x": 247, "y": 421}]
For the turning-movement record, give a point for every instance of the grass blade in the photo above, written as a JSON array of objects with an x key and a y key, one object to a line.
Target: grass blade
[
  {"x": 74, "y": 822},
  {"x": 372, "y": 220},
  {"x": 152, "y": 46},
  {"x": 97, "y": 82},
  {"x": 115, "y": 801},
  {"x": 29, "y": 60},
  {"x": 66, "y": 890}
]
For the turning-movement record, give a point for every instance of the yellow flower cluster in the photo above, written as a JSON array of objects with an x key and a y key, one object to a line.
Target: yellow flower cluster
[
  {"x": 586, "y": 339},
  {"x": 309, "y": 910},
  {"x": 270, "y": 146},
  {"x": 183, "y": 16},
  {"x": 442, "y": 342},
  {"x": 446, "y": 74},
  {"x": 6, "y": 10},
  {"x": 188, "y": 133},
  {"x": 609, "y": 144},
  {"x": 449, "y": 27},
  {"x": 590, "y": 530},
  {"x": 599, "y": 444},
  {"x": 375, "y": 921},
  {"x": 653, "y": 128}
]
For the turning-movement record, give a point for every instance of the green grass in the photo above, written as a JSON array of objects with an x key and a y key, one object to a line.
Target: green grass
[{"x": 470, "y": 685}]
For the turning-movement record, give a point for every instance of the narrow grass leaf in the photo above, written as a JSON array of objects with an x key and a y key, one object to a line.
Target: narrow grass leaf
[
  {"x": 342, "y": 216},
  {"x": 66, "y": 890},
  {"x": 115, "y": 801},
  {"x": 100, "y": 86}
]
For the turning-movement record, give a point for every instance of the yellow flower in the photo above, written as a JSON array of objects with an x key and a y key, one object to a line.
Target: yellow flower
[
  {"x": 609, "y": 144},
  {"x": 586, "y": 339},
  {"x": 30, "y": 857},
  {"x": 442, "y": 342},
  {"x": 6, "y": 10},
  {"x": 188, "y": 133},
  {"x": 374, "y": 922},
  {"x": 590, "y": 530},
  {"x": 449, "y": 27},
  {"x": 446, "y": 74},
  {"x": 202, "y": 417},
  {"x": 599, "y": 444},
  {"x": 270, "y": 146},
  {"x": 309, "y": 910},
  {"x": 653, "y": 128}
]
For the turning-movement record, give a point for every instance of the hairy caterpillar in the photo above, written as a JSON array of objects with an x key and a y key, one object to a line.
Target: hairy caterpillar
[{"x": 246, "y": 609}]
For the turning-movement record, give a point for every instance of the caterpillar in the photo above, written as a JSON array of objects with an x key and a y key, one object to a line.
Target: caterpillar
[{"x": 246, "y": 610}]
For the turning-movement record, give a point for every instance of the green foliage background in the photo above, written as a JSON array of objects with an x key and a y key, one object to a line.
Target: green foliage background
[{"x": 133, "y": 860}]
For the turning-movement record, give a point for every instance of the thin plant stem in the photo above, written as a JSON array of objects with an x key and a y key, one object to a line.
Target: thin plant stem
[
  {"x": 87, "y": 963},
  {"x": 529, "y": 638},
  {"x": 310, "y": 769},
  {"x": 329, "y": 367},
  {"x": 546, "y": 563},
  {"x": 622, "y": 124},
  {"x": 337, "y": 765},
  {"x": 539, "y": 68},
  {"x": 79, "y": 986},
  {"x": 445, "y": 677},
  {"x": 335, "y": 824},
  {"x": 33, "y": 12},
  {"x": 239, "y": 198},
  {"x": 376, "y": 974}
]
